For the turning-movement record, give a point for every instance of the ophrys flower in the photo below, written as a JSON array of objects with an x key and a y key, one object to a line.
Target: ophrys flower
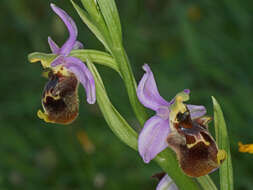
[{"x": 60, "y": 96}]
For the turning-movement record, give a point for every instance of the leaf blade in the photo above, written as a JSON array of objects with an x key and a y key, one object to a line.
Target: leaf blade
[
  {"x": 113, "y": 118},
  {"x": 111, "y": 17},
  {"x": 226, "y": 169},
  {"x": 96, "y": 56},
  {"x": 95, "y": 30}
]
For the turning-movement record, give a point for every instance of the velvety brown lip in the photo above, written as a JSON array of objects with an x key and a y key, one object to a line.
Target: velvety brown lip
[
  {"x": 195, "y": 148},
  {"x": 60, "y": 98}
]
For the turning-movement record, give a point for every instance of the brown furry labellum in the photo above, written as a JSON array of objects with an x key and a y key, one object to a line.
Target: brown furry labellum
[
  {"x": 195, "y": 148},
  {"x": 60, "y": 98}
]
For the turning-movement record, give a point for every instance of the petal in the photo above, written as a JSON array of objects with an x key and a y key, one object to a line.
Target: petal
[
  {"x": 53, "y": 46},
  {"x": 166, "y": 183},
  {"x": 45, "y": 59},
  {"x": 78, "y": 45},
  {"x": 58, "y": 60},
  {"x": 196, "y": 111},
  {"x": 84, "y": 75},
  {"x": 70, "y": 24},
  {"x": 152, "y": 139},
  {"x": 147, "y": 91}
]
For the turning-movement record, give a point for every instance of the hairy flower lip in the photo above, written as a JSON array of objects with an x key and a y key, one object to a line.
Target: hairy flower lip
[
  {"x": 60, "y": 99},
  {"x": 152, "y": 139}
]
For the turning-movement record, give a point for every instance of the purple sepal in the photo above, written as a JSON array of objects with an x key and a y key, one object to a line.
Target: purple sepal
[
  {"x": 196, "y": 111},
  {"x": 53, "y": 46},
  {"x": 58, "y": 60},
  {"x": 147, "y": 91},
  {"x": 152, "y": 139},
  {"x": 84, "y": 75},
  {"x": 71, "y": 26}
]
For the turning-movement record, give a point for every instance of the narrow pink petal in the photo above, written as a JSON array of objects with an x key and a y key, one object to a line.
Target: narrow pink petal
[
  {"x": 196, "y": 111},
  {"x": 71, "y": 26},
  {"x": 53, "y": 46},
  {"x": 147, "y": 91},
  {"x": 152, "y": 139},
  {"x": 78, "y": 45},
  {"x": 84, "y": 75},
  {"x": 166, "y": 183},
  {"x": 58, "y": 60}
]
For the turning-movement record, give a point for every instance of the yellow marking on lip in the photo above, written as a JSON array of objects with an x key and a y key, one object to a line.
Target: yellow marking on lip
[
  {"x": 200, "y": 139},
  {"x": 178, "y": 106},
  {"x": 49, "y": 94},
  {"x": 61, "y": 69},
  {"x": 221, "y": 155},
  {"x": 44, "y": 116}
]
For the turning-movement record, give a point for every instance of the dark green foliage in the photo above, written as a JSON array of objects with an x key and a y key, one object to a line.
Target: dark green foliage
[{"x": 202, "y": 45}]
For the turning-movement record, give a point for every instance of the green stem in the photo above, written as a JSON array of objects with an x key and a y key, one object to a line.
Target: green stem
[{"x": 122, "y": 60}]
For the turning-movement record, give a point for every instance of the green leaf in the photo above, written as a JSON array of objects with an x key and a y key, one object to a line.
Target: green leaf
[
  {"x": 91, "y": 7},
  {"x": 96, "y": 56},
  {"x": 123, "y": 63},
  {"x": 115, "y": 121},
  {"x": 99, "y": 57},
  {"x": 226, "y": 169},
  {"x": 92, "y": 26},
  {"x": 111, "y": 17},
  {"x": 207, "y": 183}
]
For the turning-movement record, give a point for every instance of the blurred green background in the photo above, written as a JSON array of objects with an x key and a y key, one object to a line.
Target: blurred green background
[{"x": 203, "y": 45}]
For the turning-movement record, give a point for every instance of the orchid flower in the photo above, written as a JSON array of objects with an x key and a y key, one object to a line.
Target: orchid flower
[
  {"x": 60, "y": 99},
  {"x": 152, "y": 139}
]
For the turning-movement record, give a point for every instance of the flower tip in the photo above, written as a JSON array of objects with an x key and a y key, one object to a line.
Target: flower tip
[
  {"x": 32, "y": 57},
  {"x": 43, "y": 116},
  {"x": 56, "y": 9},
  {"x": 146, "y": 67},
  {"x": 52, "y": 5},
  {"x": 146, "y": 157},
  {"x": 187, "y": 91},
  {"x": 146, "y": 160},
  {"x": 93, "y": 101}
]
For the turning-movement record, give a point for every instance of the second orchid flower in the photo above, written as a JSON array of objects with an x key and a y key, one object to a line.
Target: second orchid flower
[{"x": 177, "y": 125}]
